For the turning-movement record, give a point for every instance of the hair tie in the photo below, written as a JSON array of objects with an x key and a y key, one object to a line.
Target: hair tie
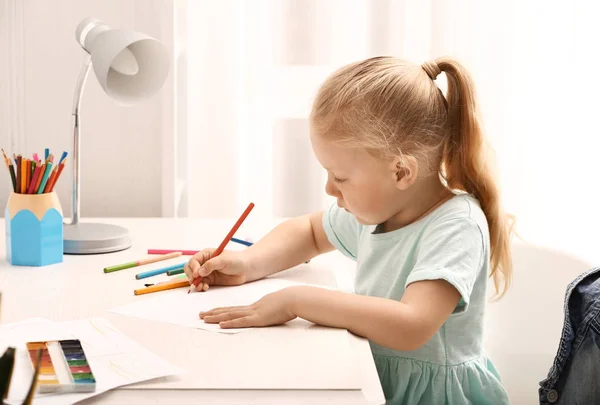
[{"x": 432, "y": 69}]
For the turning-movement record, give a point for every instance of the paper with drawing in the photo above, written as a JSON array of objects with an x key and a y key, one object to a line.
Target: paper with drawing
[{"x": 115, "y": 359}]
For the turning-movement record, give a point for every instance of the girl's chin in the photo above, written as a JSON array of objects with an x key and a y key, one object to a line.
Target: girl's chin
[{"x": 362, "y": 221}]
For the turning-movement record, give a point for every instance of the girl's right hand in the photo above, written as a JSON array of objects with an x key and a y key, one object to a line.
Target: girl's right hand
[{"x": 229, "y": 268}]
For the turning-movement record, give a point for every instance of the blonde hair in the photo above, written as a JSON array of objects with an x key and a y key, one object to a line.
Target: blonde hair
[{"x": 395, "y": 109}]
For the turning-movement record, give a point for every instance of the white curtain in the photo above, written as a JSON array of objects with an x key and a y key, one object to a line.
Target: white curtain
[{"x": 254, "y": 66}]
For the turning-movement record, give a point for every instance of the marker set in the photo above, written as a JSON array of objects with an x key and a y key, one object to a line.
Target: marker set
[{"x": 64, "y": 367}]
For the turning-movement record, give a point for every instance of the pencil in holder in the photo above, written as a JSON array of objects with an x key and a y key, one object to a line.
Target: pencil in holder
[{"x": 34, "y": 229}]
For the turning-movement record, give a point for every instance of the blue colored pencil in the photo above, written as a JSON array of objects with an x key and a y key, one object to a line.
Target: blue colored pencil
[
  {"x": 64, "y": 155},
  {"x": 241, "y": 242},
  {"x": 46, "y": 153},
  {"x": 156, "y": 272},
  {"x": 246, "y": 243}
]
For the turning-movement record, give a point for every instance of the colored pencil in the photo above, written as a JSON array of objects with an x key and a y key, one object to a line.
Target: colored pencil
[
  {"x": 18, "y": 174},
  {"x": 45, "y": 177},
  {"x": 34, "y": 382},
  {"x": 60, "y": 169},
  {"x": 174, "y": 272},
  {"x": 162, "y": 287},
  {"x": 181, "y": 277},
  {"x": 50, "y": 180},
  {"x": 164, "y": 251},
  {"x": 39, "y": 180},
  {"x": 156, "y": 272},
  {"x": 13, "y": 178},
  {"x": 46, "y": 153},
  {"x": 225, "y": 241},
  {"x": 28, "y": 173},
  {"x": 11, "y": 170},
  {"x": 241, "y": 242},
  {"x": 141, "y": 262},
  {"x": 34, "y": 180},
  {"x": 63, "y": 156},
  {"x": 23, "y": 175},
  {"x": 191, "y": 252}
]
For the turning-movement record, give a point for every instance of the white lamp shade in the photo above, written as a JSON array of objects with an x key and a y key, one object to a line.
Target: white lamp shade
[{"x": 131, "y": 67}]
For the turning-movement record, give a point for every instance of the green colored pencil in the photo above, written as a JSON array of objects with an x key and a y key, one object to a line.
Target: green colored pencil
[
  {"x": 45, "y": 178},
  {"x": 174, "y": 272},
  {"x": 141, "y": 262}
]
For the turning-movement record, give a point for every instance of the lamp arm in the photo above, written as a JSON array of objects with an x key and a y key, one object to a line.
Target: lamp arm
[{"x": 83, "y": 73}]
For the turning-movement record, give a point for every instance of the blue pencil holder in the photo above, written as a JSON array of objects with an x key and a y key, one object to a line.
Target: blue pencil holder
[{"x": 34, "y": 229}]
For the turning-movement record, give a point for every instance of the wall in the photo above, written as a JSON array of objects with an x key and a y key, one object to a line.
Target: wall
[{"x": 121, "y": 146}]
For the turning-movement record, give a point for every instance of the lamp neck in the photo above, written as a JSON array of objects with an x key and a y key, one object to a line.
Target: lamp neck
[{"x": 83, "y": 74}]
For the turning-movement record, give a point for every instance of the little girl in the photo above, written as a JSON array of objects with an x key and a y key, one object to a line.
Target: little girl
[{"x": 417, "y": 209}]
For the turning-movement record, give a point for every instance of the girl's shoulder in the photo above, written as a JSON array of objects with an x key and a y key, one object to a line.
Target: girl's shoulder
[{"x": 462, "y": 206}]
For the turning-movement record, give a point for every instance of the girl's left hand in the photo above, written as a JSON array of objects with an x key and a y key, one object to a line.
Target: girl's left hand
[{"x": 272, "y": 309}]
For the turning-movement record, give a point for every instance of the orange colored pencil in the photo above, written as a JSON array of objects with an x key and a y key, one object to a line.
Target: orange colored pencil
[
  {"x": 60, "y": 169},
  {"x": 50, "y": 180},
  {"x": 23, "y": 175},
  {"x": 28, "y": 173},
  {"x": 162, "y": 287},
  {"x": 225, "y": 241},
  {"x": 39, "y": 181}
]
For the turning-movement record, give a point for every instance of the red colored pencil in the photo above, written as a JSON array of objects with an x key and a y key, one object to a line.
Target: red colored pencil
[
  {"x": 225, "y": 241},
  {"x": 27, "y": 174},
  {"x": 60, "y": 169},
  {"x": 34, "y": 179},
  {"x": 50, "y": 180},
  {"x": 39, "y": 180}
]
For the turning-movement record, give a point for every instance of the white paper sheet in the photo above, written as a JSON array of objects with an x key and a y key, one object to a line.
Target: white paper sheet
[
  {"x": 179, "y": 308},
  {"x": 115, "y": 359}
]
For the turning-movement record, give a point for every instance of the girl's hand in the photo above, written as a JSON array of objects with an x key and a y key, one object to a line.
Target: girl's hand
[
  {"x": 229, "y": 268},
  {"x": 272, "y": 309}
]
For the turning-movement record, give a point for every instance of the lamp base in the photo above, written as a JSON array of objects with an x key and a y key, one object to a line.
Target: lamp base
[{"x": 92, "y": 238}]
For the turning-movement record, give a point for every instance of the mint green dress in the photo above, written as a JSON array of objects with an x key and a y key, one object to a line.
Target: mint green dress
[{"x": 451, "y": 243}]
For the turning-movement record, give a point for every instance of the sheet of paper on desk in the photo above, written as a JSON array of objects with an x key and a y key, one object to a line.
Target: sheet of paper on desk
[
  {"x": 179, "y": 308},
  {"x": 115, "y": 359},
  {"x": 300, "y": 355}
]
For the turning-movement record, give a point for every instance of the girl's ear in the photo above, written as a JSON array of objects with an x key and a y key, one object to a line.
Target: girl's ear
[{"x": 405, "y": 170}]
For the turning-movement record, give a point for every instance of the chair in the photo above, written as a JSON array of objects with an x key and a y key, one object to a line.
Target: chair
[{"x": 523, "y": 329}]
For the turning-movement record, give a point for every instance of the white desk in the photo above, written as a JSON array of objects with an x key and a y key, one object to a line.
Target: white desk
[{"x": 78, "y": 288}]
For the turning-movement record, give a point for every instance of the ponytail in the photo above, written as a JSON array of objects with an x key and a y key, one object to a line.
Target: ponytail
[{"x": 465, "y": 167}]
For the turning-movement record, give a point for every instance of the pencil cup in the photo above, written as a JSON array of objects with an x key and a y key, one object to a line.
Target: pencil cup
[{"x": 34, "y": 229}]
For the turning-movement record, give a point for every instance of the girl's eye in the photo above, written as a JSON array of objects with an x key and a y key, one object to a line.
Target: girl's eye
[{"x": 338, "y": 180}]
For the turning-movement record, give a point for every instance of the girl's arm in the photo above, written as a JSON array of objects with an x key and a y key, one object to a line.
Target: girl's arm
[
  {"x": 404, "y": 325},
  {"x": 399, "y": 325},
  {"x": 290, "y": 243}
]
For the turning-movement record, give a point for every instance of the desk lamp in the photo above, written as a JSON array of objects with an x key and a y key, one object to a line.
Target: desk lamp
[{"x": 130, "y": 67}]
